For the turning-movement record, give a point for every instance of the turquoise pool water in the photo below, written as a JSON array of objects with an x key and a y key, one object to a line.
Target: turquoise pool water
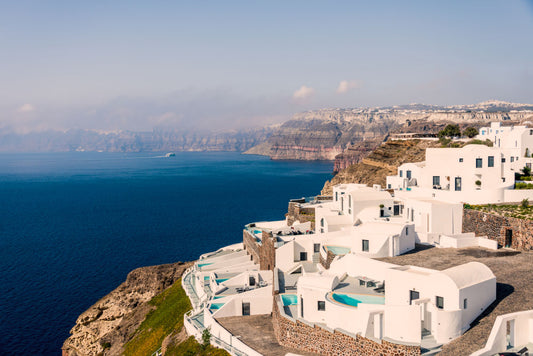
[
  {"x": 339, "y": 250},
  {"x": 220, "y": 280},
  {"x": 289, "y": 299},
  {"x": 206, "y": 278},
  {"x": 215, "y": 306},
  {"x": 258, "y": 232},
  {"x": 200, "y": 265},
  {"x": 218, "y": 296},
  {"x": 354, "y": 299}
]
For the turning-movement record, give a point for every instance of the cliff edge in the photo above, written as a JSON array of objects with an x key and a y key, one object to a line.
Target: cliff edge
[{"x": 111, "y": 322}]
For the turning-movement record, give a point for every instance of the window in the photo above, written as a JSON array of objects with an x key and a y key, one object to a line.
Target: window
[
  {"x": 439, "y": 302},
  {"x": 503, "y": 159},
  {"x": 365, "y": 246},
  {"x": 465, "y": 303},
  {"x": 401, "y": 174},
  {"x": 408, "y": 174},
  {"x": 512, "y": 159},
  {"x": 460, "y": 160},
  {"x": 413, "y": 295},
  {"x": 349, "y": 204},
  {"x": 316, "y": 248},
  {"x": 321, "y": 305},
  {"x": 322, "y": 222},
  {"x": 251, "y": 281},
  {"x": 407, "y": 230},
  {"x": 530, "y": 132},
  {"x": 436, "y": 180},
  {"x": 479, "y": 162},
  {"x": 303, "y": 256},
  {"x": 490, "y": 162},
  {"x": 336, "y": 196},
  {"x": 388, "y": 186},
  {"x": 245, "y": 308},
  {"x": 457, "y": 184},
  {"x": 362, "y": 283}
]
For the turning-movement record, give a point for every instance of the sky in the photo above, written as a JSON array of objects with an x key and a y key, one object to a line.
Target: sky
[{"x": 137, "y": 65}]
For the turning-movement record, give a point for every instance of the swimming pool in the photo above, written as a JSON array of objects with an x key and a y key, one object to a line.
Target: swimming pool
[
  {"x": 258, "y": 232},
  {"x": 355, "y": 299},
  {"x": 215, "y": 306},
  {"x": 289, "y": 299},
  {"x": 200, "y": 265},
  {"x": 338, "y": 250},
  {"x": 220, "y": 280}
]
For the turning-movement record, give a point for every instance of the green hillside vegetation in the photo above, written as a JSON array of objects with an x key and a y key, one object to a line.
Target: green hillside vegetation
[{"x": 166, "y": 319}]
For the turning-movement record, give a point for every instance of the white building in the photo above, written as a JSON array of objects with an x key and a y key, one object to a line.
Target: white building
[{"x": 400, "y": 303}]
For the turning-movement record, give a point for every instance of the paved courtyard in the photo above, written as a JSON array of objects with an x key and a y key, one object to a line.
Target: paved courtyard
[{"x": 257, "y": 332}]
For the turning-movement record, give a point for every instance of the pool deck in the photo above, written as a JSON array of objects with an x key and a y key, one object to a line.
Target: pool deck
[
  {"x": 257, "y": 332},
  {"x": 350, "y": 285}
]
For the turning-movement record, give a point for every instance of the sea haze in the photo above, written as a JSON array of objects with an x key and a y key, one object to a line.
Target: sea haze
[{"x": 72, "y": 225}]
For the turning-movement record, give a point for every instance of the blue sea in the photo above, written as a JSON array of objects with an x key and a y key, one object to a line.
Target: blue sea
[{"x": 72, "y": 225}]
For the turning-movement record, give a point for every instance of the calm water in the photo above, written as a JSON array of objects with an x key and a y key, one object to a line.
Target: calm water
[{"x": 72, "y": 225}]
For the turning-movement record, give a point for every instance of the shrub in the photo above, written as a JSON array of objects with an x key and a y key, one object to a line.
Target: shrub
[
  {"x": 206, "y": 338},
  {"x": 478, "y": 183},
  {"x": 470, "y": 132},
  {"x": 450, "y": 131},
  {"x": 522, "y": 185},
  {"x": 526, "y": 171},
  {"x": 525, "y": 203}
]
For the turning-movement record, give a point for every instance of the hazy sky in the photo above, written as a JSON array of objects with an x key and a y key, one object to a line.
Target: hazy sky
[{"x": 140, "y": 64}]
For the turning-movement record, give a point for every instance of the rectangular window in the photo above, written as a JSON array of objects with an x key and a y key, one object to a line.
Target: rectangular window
[
  {"x": 303, "y": 256},
  {"x": 251, "y": 281},
  {"x": 388, "y": 186},
  {"x": 512, "y": 159},
  {"x": 321, "y": 305},
  {"x": 316, "y": 248},
  {"x": 401, "y": 174},
  {"x": 479, "y": 162},
  {"x": 245, "y": 308},
  {"x": 365, "y": 246},
  {"x": 413, "y": 295},
  {"x": 408, "y": 174},
  {"x": 465, "y": 303},
  {"x": 436, "y": 180},
  {"x": 407, "y": 230},
  {"x": 439, "y": 302},
  {"x": 336, "y": 196},
  {"x": 460, "y": 160},
  {"x": 490, "y": 162},
  {"x": 503, "y": 159},
  {"x": 457, "y": 184},
  {"x": 530, "y": 132}
]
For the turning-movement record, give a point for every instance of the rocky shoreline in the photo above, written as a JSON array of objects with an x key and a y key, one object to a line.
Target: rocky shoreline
[{"x": 105, "y": 327}]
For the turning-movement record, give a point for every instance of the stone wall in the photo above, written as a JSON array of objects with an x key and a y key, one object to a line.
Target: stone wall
[
  {"x": 315, "y": 339},
  {"x": 250, "y": 245},
  {"x": 263, "y": 254},
  {"x": 303, "y": 215},
  {"x": 327, "y": 262},
  {"x": 495, "y": 228}
]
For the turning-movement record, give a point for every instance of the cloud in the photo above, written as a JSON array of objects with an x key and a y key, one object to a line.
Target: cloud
[
  {"x": 347, "y": 85},
  {"x": 303, "y": 93},
  {"x": 26, "y": 108}
]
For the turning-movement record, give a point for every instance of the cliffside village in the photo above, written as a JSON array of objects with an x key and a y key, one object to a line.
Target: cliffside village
[{"x": 319, "y": 273}]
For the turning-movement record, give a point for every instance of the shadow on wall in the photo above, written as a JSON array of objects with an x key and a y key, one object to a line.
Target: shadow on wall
[{"x": 503, "y": 290}]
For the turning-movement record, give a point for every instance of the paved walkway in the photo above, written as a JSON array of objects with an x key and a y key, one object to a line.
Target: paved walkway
[{"x": 257, "y": 332}]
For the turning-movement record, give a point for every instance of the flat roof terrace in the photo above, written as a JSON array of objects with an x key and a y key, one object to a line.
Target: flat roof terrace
[{"x": 514, "y": 288}]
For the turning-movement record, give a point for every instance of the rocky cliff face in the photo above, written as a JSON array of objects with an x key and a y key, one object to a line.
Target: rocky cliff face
[
  {"x": 380, "y": 163},
  {"x": 113, "y": 319},
  {"x": 348, "y": 135}
]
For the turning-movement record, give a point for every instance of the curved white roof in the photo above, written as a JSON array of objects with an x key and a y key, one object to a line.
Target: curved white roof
[
  {"x": 316, "y": 280},
  {"x": 468, "y": 274}
]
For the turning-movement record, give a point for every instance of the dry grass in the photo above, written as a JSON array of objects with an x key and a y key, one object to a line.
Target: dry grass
[{"x": 514, "y": 275}]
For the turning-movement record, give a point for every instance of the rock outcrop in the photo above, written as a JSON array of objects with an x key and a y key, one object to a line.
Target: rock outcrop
[{"x": 107, "y": 325}]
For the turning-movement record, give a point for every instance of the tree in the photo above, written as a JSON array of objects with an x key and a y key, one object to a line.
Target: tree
[
  {"x": 470, "y": 132},
  {"x": 206, "y": 338},
  {"x": 526, "y": 171},
  {"x": 525, "y": 203},
  {"x": 450, "y": 131}
]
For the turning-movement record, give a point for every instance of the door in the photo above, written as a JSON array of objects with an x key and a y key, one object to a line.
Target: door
[{"x": 509, "y": 238}]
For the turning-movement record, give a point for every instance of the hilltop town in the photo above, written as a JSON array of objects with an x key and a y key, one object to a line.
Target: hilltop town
[{"x": 406, "y": 267}]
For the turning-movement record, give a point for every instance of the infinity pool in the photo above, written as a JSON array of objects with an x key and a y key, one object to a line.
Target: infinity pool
[
  {"x": 215, "y": 306},
  {"x": 338, "y": 250},
  {"x": 220, "y": 280},
  {"x": 200, "y": 265},
  {"x": 289, "y": 299},
  {"x": 355, "y": 299}
]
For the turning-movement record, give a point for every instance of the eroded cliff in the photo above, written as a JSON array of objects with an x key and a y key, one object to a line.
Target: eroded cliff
[{"x": 107, "y": 325}]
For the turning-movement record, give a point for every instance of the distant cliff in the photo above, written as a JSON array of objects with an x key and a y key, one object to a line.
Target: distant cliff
[{"x": 348, "y": 135}]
